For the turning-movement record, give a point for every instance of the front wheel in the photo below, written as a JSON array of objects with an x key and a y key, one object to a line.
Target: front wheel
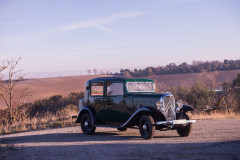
[
  {"x": 87, "y": 125},
  {"x": 147, "y": 127},
  {"x": 185, "y": 130}
]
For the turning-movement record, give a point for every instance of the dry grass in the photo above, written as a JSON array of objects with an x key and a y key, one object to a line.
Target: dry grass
[
  {"x": 216, "y": 115},
  {"x": 63, "y": 118}
]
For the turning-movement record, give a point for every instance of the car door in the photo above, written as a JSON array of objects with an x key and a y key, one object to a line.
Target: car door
[
  {"x": 97, "y": 100},
  {"x": 115, "y": 103}
]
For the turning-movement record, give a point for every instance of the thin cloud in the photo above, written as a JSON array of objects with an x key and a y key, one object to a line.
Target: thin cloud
[
  {"x": 104, "y": 29},
  {"x": 99, "y": 22}
]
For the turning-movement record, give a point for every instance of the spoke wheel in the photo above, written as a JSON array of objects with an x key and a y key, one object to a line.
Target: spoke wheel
[
  {"x": 86, "y": 124},
  {"x": 146, "y": 127}
]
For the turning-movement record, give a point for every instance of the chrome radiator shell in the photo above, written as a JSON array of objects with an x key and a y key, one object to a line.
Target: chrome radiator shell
[{"x": 168, "y": 107}]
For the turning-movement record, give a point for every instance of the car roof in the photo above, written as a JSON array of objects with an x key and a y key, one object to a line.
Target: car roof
[{"x": 101, "y": 79}]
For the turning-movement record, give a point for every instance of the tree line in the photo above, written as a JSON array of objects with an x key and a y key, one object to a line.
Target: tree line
[
  {"x": 96, "y": 72},
  {"x": 172, "y": 68}
]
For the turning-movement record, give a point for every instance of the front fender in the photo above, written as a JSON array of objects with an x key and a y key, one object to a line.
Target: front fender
[
  {"x": 84, "y": 110},
  {"x": 134, "y": 119},
  {"x": 186, "y": 108},
  {"x": 183, "y": 110}
]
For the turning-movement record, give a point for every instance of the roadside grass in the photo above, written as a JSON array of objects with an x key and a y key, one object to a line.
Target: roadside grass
[
  {"x": 62, "y": 118},
  {"x": 216, "y": 115}
]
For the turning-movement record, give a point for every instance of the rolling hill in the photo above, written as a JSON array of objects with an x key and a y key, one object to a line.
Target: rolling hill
[{"x": 47, "y": 87}]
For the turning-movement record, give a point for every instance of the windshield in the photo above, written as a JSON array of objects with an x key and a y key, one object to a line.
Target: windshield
[{"x": 140, "y": 87}]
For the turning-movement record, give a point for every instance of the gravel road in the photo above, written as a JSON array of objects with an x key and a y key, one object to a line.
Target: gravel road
[{"x": 210, "y": 139}]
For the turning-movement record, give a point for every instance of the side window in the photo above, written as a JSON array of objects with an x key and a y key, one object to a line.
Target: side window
[
  {"x": 114, "y": 89},
  {"x": 97, "y": 89}
]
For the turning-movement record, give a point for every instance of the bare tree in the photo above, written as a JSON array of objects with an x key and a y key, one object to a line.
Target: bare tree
[
  {"x": 229, "y": 88},
  {"x": 101, "y": 72},
  {"x": 95, "y": 71},
  {"x": 89, "y": 71},
  {"x": 127, "y": 74},
  {"x": 208, "y": 80},
  {"x": 7, "y": 88}
]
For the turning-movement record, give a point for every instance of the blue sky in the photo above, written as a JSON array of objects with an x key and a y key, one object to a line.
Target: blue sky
[{"x": 60, "y": 35}]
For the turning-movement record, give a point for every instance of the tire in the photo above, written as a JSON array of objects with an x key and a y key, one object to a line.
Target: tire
[
  {"x": 185, "y": 130},
  {"x": 122, "y": 129},
  {"x": 146, "y": 127},
  {"x": 86, "y": 124}
]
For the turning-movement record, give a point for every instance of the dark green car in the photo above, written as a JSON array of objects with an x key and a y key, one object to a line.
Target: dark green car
[{"x": 126, "y": 103}]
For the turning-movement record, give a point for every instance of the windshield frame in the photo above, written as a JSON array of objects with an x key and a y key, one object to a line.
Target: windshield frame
[{"x": 152, "y": 82}]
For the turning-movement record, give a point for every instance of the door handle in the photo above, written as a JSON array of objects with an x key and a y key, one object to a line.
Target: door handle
[{"x": 103, "y": 99}]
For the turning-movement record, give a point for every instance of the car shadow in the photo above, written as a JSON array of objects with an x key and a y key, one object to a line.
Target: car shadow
[
  {"x": 77, "y": 137},
  {"x": 68, "y": 137},
  {"x": 166, "y": 136}
]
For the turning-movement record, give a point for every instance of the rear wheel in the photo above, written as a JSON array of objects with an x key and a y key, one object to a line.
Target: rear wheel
[
  {"x": 185, "y": 130},
  {"x": 147, "y": 127},
  {"x": 87, "y": 125}
]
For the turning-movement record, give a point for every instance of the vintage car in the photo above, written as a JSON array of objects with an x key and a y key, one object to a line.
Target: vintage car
[{"x": 128, "y": 103}]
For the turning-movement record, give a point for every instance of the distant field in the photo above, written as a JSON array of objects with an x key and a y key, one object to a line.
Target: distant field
[
  {"x": 188, "y": 80},
  {"x": 46, "y": 87}
]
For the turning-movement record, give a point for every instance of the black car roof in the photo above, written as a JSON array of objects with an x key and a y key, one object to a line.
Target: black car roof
[
  {"x": 101, "y": 79},
  {"x": 108, "y": 79}
]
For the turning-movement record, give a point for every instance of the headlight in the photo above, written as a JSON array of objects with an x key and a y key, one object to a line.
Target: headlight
[
  {"x": 179, "y": 106},
  {"x": 159, "y": 105}
]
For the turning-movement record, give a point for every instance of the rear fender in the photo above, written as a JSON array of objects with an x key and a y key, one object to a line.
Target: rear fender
[{"x": 84, "y": 110}]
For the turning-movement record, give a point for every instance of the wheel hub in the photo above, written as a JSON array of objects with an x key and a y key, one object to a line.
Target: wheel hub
[
  {"x": 86, "y": 124},
  {"x": 145, "y": 127}
]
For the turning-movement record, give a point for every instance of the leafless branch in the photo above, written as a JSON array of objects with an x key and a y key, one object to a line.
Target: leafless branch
[
  {"x": 7, "y": 90},
  {"x": 23, "y": 95},
  {"x": 20, "y": 78},
  {"x": 221, "y": 98},
  {"x": 4, "y": 98}
]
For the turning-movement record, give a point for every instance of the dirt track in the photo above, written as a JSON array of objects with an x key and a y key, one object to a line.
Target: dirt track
[{"x": 210, "y": 139}]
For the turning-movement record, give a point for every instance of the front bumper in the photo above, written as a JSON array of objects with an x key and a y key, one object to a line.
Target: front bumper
[{"x": 174, "y": 122}]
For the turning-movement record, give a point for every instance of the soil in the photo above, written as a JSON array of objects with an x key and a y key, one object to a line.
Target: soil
[{"x": 210, "y": 139}]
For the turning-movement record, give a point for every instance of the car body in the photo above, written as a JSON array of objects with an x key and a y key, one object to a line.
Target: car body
[{"x": 125, "y": 103}]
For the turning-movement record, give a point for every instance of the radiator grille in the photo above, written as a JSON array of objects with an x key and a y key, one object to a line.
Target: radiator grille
[{"x": 169, "y": 108}]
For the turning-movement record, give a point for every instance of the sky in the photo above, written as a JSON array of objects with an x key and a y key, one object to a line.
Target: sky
[{"x": 76, "y": 35}]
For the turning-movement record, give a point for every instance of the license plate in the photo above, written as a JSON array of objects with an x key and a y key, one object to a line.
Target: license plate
[{"x": 181, "y": 121}]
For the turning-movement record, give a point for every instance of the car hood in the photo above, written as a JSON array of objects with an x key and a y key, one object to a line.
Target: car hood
[
  {"x": 150, "y": 100},
  {"x": 147, "y": 100}
]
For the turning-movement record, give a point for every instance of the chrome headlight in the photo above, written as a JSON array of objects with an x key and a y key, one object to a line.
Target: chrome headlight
[
  {"x": 179, "y": 106},
  {"x": 159, "y": 105}
]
